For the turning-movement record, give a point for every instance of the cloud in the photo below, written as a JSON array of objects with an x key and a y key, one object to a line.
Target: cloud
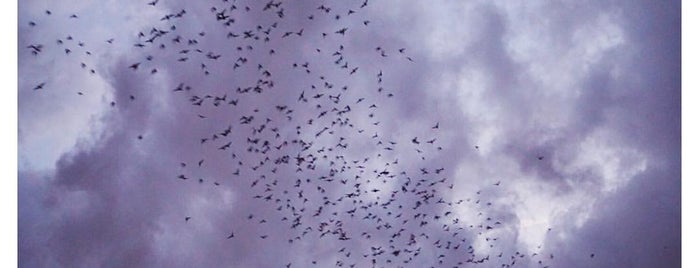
[{"x": 559, "y": 121}]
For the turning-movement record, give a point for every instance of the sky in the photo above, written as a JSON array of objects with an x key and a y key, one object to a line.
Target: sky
[{"x": 558, "y": 120}]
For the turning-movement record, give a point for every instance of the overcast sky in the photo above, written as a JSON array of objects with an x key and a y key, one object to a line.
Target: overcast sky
[{"x": 558, "y": 120}]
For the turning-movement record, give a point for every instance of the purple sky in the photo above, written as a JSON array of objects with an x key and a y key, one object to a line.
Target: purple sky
[{"x": 560, "y": 121}]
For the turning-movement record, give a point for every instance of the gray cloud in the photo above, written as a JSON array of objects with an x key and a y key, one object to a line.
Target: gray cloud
[{"x": 592, "y": 89}]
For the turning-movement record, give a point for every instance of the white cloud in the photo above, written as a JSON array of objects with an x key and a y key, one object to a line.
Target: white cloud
[{"x": 53, "y": 120}]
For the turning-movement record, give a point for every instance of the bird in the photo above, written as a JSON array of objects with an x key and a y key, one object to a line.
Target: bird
[
  {"x": 231, "y": 235},
  {"x": 341, "y": 31},
  {"x": 39, "y": 86},
  {"x": 35, "y": 49},
  {"x": 221, "y": 15}
]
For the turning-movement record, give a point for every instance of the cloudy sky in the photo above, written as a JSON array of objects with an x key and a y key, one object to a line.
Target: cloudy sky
[{"x": 545, "y": 133}]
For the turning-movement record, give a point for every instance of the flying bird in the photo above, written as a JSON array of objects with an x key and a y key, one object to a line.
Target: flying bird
[
  {"x": 341, "y": 31},
  {"x": 39, "y": 86},
  {"x": 35, "y": 49}
]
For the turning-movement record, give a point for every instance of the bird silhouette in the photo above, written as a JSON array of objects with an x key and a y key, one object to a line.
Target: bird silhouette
[{"x": 39, "y": 86}]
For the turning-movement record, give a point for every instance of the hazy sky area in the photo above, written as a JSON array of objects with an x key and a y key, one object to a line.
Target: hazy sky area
[{"x": 342, "y": 133}]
